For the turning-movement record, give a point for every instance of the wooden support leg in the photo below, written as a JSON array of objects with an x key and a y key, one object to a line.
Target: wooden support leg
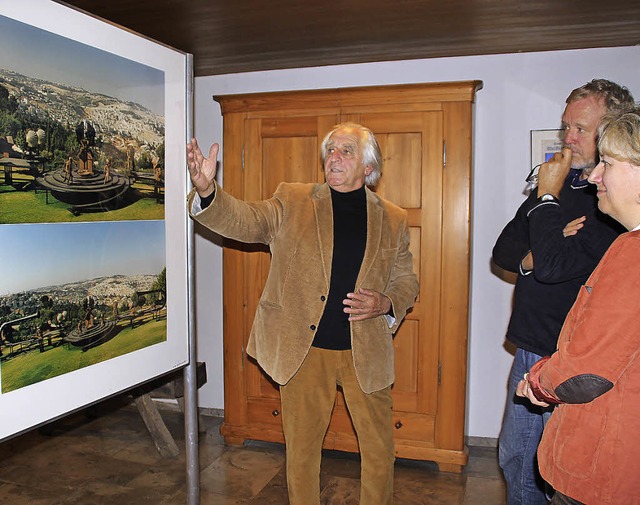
[{"x": 158, "y": 430}]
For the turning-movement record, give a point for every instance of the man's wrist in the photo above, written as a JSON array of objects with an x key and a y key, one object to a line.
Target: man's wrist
[
  {"x": 211, "y": 188},
  {"x": 390, "y": 311},
  {"x": 205, "y": 201},
  {"x": 548, "y": 197}
]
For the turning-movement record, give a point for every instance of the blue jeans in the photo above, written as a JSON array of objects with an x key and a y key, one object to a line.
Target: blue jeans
[{"x": 519, "y": 439}]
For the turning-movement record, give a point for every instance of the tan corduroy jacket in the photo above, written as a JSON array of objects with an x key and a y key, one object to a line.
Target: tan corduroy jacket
[{"x": 297, "y": 225}]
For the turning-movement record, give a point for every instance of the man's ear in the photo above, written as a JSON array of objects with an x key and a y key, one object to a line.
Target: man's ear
[{"x": 368, "y": 169}]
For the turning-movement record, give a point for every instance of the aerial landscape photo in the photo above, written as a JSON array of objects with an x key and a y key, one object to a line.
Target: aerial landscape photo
[
  {"x": 73, "y": 295},
  {"x": 82, "y": 131}
]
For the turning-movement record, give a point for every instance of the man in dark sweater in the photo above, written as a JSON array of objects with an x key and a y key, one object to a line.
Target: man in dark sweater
[
  {"x": 554, "y": 242},
  {"x": 340, "y": 282}
]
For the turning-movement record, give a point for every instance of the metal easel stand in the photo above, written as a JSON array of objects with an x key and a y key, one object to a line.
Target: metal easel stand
[
  {"x": 191, "y": 433},
  {"x": 190, "y": 376}
]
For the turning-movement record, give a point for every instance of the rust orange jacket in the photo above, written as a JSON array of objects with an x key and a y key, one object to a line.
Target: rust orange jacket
[{"x": 590, "y": 448}]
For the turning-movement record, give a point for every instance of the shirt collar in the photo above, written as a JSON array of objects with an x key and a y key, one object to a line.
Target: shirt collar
[{"x": 576, "y": 181}]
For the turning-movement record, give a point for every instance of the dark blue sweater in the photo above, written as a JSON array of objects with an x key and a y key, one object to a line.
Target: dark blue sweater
[{"x": 543, "y": 297}]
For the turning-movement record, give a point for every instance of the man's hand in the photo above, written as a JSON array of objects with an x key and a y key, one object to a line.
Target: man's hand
[
  {"x": 366, "y": 304},
  {"x": 202, "y": 170},
  {"x": 572, "y": 227},
  {"x": 552, "y": 174},
  {"x": 524, "y": 390}
]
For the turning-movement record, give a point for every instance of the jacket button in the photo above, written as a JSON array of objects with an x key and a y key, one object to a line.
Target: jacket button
[
  {"x": 313, "y": 327},
  {"x": 323, "y": 298}
]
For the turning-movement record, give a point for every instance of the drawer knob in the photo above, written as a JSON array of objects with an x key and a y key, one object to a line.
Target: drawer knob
[
  {"x": 275, "y": 413},
  {"x": 398, "y": 425}
]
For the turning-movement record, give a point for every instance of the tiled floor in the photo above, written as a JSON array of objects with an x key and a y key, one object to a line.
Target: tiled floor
[{"x": 109, "y": 458}]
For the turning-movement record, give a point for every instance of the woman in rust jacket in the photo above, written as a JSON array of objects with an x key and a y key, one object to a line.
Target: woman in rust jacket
[{"x": 590, "y": 449}]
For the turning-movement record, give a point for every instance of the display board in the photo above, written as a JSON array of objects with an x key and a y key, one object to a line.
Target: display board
[{"x": 94, "y": 295}]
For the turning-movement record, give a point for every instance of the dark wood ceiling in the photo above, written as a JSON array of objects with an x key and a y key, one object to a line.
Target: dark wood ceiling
[{"x": 229, "y": 36}]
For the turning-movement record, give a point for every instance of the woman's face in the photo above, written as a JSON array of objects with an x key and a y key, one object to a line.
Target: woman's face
[{"x": 618, "y": 184}]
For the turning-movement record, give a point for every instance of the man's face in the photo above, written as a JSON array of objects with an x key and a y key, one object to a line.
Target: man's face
[
  {"x": 580, "y": 123},
  {"x": 343, "y": 167}
]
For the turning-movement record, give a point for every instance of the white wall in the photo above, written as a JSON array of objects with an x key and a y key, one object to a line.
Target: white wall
[{"x": 521, "y": 92}]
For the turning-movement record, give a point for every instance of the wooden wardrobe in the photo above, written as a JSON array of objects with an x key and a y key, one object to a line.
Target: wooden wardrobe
[{"x": 425, "y": 132}]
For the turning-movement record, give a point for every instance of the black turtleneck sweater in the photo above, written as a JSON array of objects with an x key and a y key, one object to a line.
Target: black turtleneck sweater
[{"x": 349, "y": 242}]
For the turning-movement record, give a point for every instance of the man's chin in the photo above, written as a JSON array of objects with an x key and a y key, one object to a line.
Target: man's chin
[{"x": 586, "y": 168}]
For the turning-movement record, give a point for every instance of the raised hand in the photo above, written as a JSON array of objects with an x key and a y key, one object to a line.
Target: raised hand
[
  {"x": 552, "y": 174},
  {"x": 202, "y": 170}
]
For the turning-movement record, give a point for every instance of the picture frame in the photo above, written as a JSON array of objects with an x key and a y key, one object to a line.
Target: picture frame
[
  {"x": 544, "y": 144},
  {"x": 70, "y": 35}
]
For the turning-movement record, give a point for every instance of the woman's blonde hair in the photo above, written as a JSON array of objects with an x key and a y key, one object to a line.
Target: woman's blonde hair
[{"x": 619, "y": 135}]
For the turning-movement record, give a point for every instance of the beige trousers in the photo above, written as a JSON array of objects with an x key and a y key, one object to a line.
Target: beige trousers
[{"x": 307, "y": 402}]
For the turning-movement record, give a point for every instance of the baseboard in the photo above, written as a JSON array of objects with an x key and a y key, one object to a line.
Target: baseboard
[
  {"x": 481, "y": 441},
  {"x": 470, "y": 441},
  {"x": 211, "y": 412}
]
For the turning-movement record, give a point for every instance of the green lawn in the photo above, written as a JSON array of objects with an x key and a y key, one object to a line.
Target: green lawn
[
  {"x": 35, "y": 366},
  {"x": 29, "y": 207}
]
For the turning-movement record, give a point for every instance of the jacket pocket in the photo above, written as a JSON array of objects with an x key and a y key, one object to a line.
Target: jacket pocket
[
  {"x": 268, "y": 316},
  {"x": 579, "y": 439}
]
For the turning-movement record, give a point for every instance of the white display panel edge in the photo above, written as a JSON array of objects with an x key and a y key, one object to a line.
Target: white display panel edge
[{"x": 38, "y": 403}]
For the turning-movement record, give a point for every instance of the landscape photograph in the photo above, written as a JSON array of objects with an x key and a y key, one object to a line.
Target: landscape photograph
[
  {"x": 73, "y": 295},
  {"x": 82, "y": 131}
]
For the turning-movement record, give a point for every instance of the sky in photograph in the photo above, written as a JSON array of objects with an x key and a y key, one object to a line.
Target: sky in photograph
[
  {"x": 41, "y": 54},
  {"x": 41, "y": 255}
]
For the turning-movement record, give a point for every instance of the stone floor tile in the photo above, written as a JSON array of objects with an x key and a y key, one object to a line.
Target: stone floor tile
[
  {"x": 480, "y": 491},
  {"x": 105, "y": 456},
  {"x": 20, "y": 495},
  {"x": 241, "y": 473},
  {"x": 274, "y": 493},
  {"x": 340, "y": 491},
  {"x": 483, "y": 462}
]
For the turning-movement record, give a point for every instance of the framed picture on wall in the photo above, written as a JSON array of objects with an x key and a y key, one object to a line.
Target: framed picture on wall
[
  {"x": 93, "y": 227},
  {"x": 544, "y": 144}
]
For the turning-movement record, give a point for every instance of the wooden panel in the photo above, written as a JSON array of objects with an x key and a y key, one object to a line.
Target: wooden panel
[
  {"x": 283, "y": 149},
  {"x": 341, "y": 421},
  {"x": 246, "y": 36},
  {"x": 425, "y": 218},
  {"x": 416, "y": 250},
  {"x": 290, "y": 159},
  {"x": 412, "y": 426},
  {"x": 409, "y": 97},
  {"x": 289, "y": 126},
  {"x": 265, "y": 411},
  {"x": 405, "y": 346},
  {"x": 455, "y": 268},
  {"x": 402, "y": 168},
  {"x": 235, "y": 410},
  {"x": 431, "y": 259}
]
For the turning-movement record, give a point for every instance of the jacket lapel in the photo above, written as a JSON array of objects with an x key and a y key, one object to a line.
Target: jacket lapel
[
  {"x": 324, "y": 225},
  {"x": 374, "y": 234}
]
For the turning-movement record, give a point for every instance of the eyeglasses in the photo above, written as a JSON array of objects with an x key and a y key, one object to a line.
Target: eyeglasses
[{"x": 532, "y": 178}]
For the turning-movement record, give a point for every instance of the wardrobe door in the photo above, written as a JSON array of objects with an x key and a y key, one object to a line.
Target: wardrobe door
[{"x": 275, "y": 149}]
